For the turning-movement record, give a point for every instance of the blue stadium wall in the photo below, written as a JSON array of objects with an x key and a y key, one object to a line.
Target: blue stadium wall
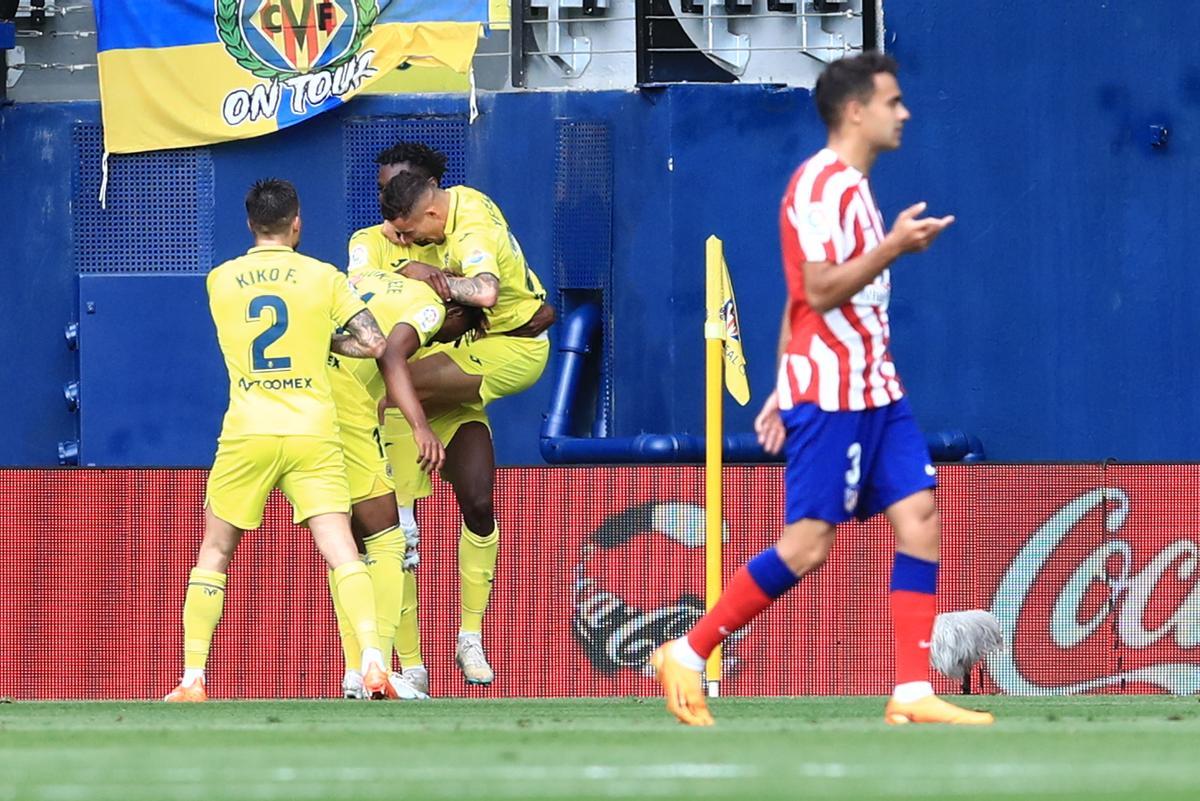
[{"x": 1054, "y": 320}]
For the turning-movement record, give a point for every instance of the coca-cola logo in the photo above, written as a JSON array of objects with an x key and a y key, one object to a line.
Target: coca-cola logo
[
  {"x": 1102, "y": 603},
  {"x": 630, "y": 589}
]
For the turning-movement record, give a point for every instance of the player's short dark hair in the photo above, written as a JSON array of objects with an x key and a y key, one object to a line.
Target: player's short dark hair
[
  {"x": 419, "y": 157},
  {"x": 846, "y": 79},
  {"x": 271, "y": 206},
  {"x": 401, "y": 194}
]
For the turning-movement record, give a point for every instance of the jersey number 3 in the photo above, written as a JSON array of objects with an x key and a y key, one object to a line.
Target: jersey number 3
[{"x": 260, "y": 362}]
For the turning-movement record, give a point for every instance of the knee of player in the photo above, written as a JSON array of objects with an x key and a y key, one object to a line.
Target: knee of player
[
  {"x": 215, "y": 554},
  {"x": 479, "y": 515},
  {"x": 479, "y": 526},
  {"x": 804, "y": 554},
  {"x": 920, "y": 520},
  {"x": 920, "y": 506},
  {"x": 810, "y": 559},
  {"x": 479, "y": 521}
]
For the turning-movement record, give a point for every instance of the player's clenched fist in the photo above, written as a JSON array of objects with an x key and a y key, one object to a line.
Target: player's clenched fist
[{"x": 912, "y": 234}]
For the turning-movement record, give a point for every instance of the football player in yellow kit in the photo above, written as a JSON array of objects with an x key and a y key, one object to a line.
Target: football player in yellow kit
[
  {"x": 375, "y": 248},
  {"x": 275, "y": 312},
  {"x": 413, "y": 316},
  {"x": 477, "y": 261}
]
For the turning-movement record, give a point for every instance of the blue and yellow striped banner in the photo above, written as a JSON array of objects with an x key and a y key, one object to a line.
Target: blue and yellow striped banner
[{"x": 192, "y": 72}]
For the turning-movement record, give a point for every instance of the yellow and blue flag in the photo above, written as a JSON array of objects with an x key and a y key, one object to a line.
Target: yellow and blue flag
[{"x": 192, "y": 72}]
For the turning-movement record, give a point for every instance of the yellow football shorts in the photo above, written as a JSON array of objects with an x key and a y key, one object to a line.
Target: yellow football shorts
[
  {"x": 367, "y": 468},
  {"x": 310, "y": 471},
  {"x": 508, "y": 364},
  {"x": 413, "y": 483}
]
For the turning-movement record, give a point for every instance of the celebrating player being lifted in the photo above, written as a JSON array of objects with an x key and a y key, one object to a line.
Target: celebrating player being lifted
[
  {"x": 477, "y": 262},
  {"x": 375, "y": 248},
  {"x": 275, "y": 312},
  {"x": 839, "y": 412},
  {"x": 413, "y": 316},
  {"x": 469, "y": 463}
]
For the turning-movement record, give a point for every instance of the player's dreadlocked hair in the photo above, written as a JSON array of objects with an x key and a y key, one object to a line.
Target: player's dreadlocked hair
[
  {"x": 849, "y": 79},
  {"x": 420, "y": 158},
  {"x": 401, "y": 194},
  {"x": 271, "y": 205},
  {"x": 462, "y": 322}
]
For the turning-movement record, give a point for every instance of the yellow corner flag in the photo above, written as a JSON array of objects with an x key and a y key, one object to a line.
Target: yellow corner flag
[
  {"x": 722, "y": 311},
  {"x": 723, "y": 354}
]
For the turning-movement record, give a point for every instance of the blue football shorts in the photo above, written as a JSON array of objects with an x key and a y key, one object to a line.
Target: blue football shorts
[{"x": 852, "y": 464}]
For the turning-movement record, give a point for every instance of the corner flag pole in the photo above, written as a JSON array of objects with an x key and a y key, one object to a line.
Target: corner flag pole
[
  {"x": 724, "y": 363},
  {"x": 714, "y": 337}
]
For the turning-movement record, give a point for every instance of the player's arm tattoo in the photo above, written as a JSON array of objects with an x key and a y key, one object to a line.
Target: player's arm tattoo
[
  {"x": 482, "y": 290},
  {"x": 363, "y": 338}
]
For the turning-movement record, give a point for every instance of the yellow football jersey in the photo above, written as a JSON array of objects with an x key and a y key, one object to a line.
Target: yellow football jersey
[
  {"x": 275, "y": 311},
  {"x": 393, "y": 299},
  {"x": 371, "y": 250},
  {"x": 478, "y": 240},
  {"x": 353, "y": 402}
]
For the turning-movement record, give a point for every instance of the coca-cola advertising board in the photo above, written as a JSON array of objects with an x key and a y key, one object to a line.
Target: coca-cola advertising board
[{"x": 1091, "y": 569}]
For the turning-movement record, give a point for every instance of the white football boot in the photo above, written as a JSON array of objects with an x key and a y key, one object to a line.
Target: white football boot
[
  {"x": 352, "y": 686},
  {"x": 411, "y": 685},
  {"x": 471, "y": 659}
]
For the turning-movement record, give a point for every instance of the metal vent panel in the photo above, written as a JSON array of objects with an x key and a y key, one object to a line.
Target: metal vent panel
[{"x": 159, "y": 208}]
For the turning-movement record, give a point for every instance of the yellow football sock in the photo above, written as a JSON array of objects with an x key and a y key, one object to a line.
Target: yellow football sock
[
  {"x": 353, "y": 583},
  {"x": 351, "y": 650},
  {"x": 202, "y": 607},
  {"x": 408, "y": 633},
  {"x": 385, "y": 561},
  {"x": 476, "y": 570}
]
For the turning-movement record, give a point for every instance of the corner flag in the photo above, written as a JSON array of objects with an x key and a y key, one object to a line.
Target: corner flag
[
  {"x": 723, "y": 354},
  {"x": 720, "y": 291}
]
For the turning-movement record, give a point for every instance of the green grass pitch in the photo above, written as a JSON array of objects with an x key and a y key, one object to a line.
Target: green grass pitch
[{"x": 1142, "y": 748}]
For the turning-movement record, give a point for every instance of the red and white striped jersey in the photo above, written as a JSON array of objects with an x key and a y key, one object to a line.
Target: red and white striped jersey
[{"x": 838, "y": 360}]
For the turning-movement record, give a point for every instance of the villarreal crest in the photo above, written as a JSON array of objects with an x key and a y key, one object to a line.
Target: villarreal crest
[{"x": 281, "y": 38}]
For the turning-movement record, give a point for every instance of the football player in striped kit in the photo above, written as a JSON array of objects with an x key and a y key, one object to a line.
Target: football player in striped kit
[{"x": 839, "y": 412}]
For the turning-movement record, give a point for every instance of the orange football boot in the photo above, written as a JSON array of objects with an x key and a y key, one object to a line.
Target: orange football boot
[
  {"x": 376, "y": 685},
  {"x": 681, "y": 686},
  {"x": 932, "y": 709},
  {"x": 193, "y": 693}
]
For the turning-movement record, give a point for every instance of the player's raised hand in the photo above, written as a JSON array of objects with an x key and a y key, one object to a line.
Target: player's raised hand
[
  {"x": 390, "y": 233},
  {"x": 912, "y": 233},
  {"x": 431, "y": 454},
  {"x": 768, "y": 425}
]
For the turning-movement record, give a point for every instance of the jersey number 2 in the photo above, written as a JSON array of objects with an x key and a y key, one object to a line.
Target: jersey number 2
[{"x": 260, "y": 362}]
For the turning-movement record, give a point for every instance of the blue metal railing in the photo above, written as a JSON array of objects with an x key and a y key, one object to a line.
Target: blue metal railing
[{"x": 579, "y": 338}]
